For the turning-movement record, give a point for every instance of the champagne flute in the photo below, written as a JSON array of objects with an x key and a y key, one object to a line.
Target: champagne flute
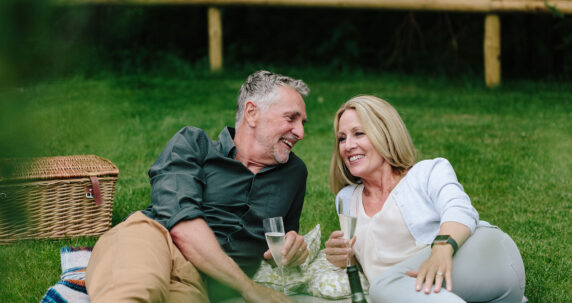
[
  {"x": 348, "y": 221},
  {"x": 274, "y": 233}
]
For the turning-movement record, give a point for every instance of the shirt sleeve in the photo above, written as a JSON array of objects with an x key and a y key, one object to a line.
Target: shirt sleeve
[
  {"x": 449, "y": 197},
  {"x": 177, "y": 178}
]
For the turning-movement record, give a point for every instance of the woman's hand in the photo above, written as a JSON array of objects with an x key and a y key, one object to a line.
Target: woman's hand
[
  {"x": 437, "y": 267},
  {"x": 338, "y": 250}
]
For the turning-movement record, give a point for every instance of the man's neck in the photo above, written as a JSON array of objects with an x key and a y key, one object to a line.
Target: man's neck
[
  {"x": 244, "y": 150},
  {"x": 253, "y": 166}
]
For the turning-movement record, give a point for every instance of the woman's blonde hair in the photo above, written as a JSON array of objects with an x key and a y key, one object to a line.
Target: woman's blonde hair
[{"x": 386, "y": 131}]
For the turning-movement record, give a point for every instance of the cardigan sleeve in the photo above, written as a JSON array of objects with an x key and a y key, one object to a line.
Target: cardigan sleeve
[{"x": 449, "y": 197}]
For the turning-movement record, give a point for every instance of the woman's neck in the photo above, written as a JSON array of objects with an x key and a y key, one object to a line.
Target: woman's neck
[{"x": 378, "y": 188}]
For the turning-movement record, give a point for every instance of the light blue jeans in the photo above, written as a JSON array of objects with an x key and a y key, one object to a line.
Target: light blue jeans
[{"x": 487, "y": 268}]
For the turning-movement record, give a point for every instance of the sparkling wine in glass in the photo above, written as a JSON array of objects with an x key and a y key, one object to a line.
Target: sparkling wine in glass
[
  {"x": 348, "y": 221},
  {"x": 274, "y": 233}
]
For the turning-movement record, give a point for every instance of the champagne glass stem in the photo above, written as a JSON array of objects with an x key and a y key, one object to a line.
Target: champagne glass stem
[
  {"x": 349, "y": 261},
  {"x": 283, "y": 284}
]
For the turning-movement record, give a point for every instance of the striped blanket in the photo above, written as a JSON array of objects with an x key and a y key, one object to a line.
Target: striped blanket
[{"x": 71, "y": 286}]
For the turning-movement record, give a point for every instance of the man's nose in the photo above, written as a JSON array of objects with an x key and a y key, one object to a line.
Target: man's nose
[{"x": 298, "y": 130}]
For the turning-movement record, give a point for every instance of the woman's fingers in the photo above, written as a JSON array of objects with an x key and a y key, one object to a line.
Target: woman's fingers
[
  {"x": 337, "y": 251},
  {"x": 429, "y": 279},
  {"x": 337, "y": 255},
  {"x": 420, "y": 279},
  {"x": 439, "y": 276},
  {"x": 449, "y": 280}
]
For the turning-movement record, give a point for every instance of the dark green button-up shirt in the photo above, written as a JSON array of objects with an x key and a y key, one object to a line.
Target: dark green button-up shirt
[{"x": 196, "y": 177}]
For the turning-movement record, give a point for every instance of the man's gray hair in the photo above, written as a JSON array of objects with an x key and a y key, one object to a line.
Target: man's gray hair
[{"x": 262, "y": 88}]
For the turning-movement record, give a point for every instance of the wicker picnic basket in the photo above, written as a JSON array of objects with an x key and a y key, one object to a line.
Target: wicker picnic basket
[{"x": 56, "y": 197}]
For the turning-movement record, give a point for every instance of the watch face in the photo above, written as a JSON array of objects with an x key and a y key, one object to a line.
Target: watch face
[{"x": 441, "y": 238}]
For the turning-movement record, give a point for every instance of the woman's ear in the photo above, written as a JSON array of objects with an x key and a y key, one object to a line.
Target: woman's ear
[{"x": 251, "y": 113}]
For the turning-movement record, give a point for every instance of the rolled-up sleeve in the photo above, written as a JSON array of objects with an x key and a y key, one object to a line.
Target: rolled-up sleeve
[
  {"x": 177, "y": 178},
  {"x": 449, "y": 197}
]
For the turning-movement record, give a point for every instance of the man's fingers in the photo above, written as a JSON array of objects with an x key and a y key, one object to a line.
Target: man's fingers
[
  {"x": 289, "y": 240},
  {"x": 267, "y": 255},
  {"x": 294, "y": 249},
  {"x": 300, "y": 258},
  {"x": 298, "y": 255}
]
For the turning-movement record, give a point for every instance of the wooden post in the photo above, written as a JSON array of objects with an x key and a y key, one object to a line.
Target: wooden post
[
  {"x": 492, "y": 49},
  {"x": 215, "y": 39}
]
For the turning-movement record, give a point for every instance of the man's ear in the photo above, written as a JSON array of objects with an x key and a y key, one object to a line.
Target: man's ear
[{"x": 251, "y": 113}]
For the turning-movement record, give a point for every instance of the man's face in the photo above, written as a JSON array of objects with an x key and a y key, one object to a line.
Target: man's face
[{"x": 281, "y": 125}]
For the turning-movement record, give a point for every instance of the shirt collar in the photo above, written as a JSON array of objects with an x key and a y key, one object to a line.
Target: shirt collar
[{"x": 226, "y": 141}]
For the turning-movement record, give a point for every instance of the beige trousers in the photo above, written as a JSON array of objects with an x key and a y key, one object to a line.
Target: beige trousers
[{"x": 137, "y": 261}]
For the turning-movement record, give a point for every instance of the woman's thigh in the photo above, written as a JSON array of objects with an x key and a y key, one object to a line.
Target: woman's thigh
[{"x": 395, "y": 286}]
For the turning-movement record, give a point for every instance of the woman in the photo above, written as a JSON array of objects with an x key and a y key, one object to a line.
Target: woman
[{"x": 417, "y": 231}]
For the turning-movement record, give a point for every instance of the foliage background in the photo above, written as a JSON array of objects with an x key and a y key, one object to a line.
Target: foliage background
[{"x": 40, "y": 40}]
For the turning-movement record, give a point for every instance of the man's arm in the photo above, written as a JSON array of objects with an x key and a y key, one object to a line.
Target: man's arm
[{"x": 198, "y": 244}]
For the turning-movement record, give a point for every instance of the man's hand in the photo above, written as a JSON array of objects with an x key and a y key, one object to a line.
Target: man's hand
[
  {"x": 294, "y": 251},
  {"x": 258, "y": 293}
]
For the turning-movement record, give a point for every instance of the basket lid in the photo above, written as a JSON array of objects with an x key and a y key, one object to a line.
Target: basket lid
[{"x": 58, "y": 167}]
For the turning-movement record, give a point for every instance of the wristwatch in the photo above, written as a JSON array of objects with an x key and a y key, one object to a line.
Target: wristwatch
[{"x": 446, "y": 239}]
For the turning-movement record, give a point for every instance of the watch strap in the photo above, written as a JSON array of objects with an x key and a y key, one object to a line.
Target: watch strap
[{"x": 451, "y": 241}]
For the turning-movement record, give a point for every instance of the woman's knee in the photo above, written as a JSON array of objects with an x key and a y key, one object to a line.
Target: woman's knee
[
  {"x": 489, "y": 267},
  {"x": 387, "y": 286}
]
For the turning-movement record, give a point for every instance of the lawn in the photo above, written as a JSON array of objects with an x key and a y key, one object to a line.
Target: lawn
[{"x": 510, "y": 148}]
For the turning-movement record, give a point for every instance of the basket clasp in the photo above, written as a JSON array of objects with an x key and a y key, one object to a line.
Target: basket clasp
[
  {"x": 93, "y": 191},
  {"x": 89, "y": 192}
]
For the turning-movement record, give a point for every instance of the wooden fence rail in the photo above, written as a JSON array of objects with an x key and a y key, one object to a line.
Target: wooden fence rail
[{"x": 492, "y": 23}]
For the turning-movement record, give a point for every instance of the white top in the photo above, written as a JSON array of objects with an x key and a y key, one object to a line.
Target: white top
[
  {"x": 382, "y": 240},
  {"x": 427, "y": 196}
]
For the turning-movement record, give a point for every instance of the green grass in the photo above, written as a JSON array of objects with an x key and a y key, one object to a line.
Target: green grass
[{"x": 510, "y": 148}]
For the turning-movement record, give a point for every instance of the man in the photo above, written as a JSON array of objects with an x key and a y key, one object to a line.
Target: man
[{"x": 204, "y": 228}]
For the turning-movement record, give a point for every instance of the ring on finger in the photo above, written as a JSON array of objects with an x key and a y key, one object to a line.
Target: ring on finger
[{"x": 439, "y": 273}]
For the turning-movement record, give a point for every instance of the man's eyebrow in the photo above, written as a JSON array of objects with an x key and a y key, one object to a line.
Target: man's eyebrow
[{"x": 297, "y": 114}]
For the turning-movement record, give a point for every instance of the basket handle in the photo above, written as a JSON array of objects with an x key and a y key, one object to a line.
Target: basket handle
[{"x": 94, "y": 192}]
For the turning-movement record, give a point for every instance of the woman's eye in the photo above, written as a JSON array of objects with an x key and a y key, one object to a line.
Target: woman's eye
[
  {"x": 341, "y": 139},
  {"x": 357, "y": 134}
]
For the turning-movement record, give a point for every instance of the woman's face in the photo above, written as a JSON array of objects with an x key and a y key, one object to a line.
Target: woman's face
[{"x": 356, "y": 150}]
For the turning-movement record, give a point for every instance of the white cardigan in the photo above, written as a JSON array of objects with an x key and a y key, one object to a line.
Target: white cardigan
[{"x": 428, "y": 196}]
